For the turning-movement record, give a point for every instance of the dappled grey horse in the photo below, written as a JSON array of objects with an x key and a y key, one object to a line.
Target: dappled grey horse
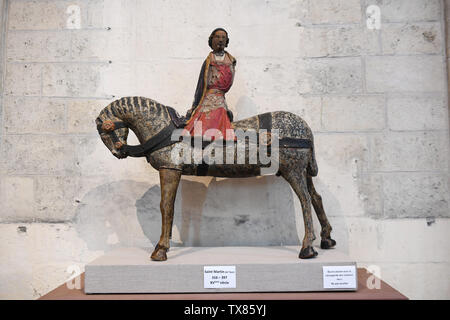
[{"x": 155, "y": 124}]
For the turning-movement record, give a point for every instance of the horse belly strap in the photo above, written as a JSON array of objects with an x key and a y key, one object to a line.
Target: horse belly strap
[{"x": 287, "y": 142}]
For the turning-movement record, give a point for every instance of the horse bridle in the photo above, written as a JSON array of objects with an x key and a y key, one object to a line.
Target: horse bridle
[
  {"x": 109, "y": 127},
  {"x": 160, "y": 140}
]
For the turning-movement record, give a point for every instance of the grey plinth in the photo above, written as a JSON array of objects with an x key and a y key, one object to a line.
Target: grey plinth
[{"x": 258, "y": 269}]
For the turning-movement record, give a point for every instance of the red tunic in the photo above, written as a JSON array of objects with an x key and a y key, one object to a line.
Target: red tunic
[{"x": 211, "y": 113}]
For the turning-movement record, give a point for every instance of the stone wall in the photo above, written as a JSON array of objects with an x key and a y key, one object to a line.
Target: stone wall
[{"x": 375, "y": 97}]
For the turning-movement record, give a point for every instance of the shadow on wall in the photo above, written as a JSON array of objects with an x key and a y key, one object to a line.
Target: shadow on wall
[
  {"x": 335, "y": 215},
  {"x": 228, "y": 212},
  {"x": 106, "y": 216}
]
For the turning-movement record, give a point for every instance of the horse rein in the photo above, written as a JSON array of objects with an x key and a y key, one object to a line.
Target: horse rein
[{"x": 160, "y": 140}]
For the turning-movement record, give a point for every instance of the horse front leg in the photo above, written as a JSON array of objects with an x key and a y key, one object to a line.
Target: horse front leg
[{"x": 169, "y": 180}]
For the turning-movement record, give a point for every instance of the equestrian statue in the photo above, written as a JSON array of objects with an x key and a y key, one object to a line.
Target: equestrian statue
[{"x": 172, "y": 144}]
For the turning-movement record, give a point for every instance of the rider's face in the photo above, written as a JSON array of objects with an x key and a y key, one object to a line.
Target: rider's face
[{"x": 219, "y": 41}]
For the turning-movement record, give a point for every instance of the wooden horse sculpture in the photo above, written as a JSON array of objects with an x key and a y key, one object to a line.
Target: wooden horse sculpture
[{"x": 154, "y": 124}]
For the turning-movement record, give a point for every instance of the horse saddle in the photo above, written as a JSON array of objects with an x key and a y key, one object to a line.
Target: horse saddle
[
  {"x": 264, "y": 138},
  {"x": 180, "y": 121},
  {"x": 163, "y": 138}
]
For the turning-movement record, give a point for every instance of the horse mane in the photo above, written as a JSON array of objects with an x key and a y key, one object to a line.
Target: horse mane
[{"x": 127, "y": 107}]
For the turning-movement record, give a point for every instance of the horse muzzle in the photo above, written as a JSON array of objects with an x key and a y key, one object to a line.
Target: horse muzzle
[{"x": 120, "y": 150}]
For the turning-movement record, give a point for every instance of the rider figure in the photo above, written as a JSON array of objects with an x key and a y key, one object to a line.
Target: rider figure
[{"x": 210, "y": 110}]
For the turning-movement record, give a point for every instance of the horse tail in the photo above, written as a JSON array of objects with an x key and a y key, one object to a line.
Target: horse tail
[{"x": 312, "y": 167}]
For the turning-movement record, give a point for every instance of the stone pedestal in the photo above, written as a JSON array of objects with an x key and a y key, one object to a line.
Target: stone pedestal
[{"x": 258, "y": 269}]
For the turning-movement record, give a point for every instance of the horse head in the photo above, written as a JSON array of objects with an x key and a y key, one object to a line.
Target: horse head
[{"x": 114, "y": 134}]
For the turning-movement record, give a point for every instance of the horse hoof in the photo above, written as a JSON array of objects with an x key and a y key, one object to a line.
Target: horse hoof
[
  {"x": 159, "y": 254},
  {"x": 327, "y": 243},
  {"x": 307, "y": 253}
]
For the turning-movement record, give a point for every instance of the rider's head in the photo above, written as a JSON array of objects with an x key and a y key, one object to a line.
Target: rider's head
[{"x": 218, "y": 40}]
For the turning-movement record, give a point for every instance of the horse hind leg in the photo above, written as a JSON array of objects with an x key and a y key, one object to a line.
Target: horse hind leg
[
  {"x": 297, "y": 180},
  {"x": 325, "y": 234}
]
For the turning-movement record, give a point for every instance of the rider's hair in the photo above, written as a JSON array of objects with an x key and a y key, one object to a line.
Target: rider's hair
[{"x": 212, "y": 36}]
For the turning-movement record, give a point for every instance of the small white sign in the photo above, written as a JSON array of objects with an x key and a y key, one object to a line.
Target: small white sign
[
  {"x": 218, "y": 277},
  {"x": 339, "y": 277}
]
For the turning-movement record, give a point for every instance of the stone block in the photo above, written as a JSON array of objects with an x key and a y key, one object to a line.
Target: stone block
[
  {"x": 120, "y": 79},
  {"x": 331, "y": 75},
  {"x": 74, "y": 80},
  {"x": 50, "y": 15},
  {"x": 103, "y": 45},
  {"x": 52, "y": 198},
  {"x": 2, "y": 3},
  {"x": 1, "y": 72},
  {"x": 90, "y": 157},
  {"x": 81, "y": 115},
  {"x": 265, "y": 41},
  {"x": 29, "y": 154},
  {"x": 410, "y": 38},
  {"x": 341, "y": 153},
  {"x": 17, "y": 198},
  {"x": 247, "y": 13},
  {"x": 417, "y": 113},
  {"x": 307, "y": 107},
  {"x": 325, "y": 41},
  {"x": 159, "y": 43},
  {"x": 409, "y": 151},
  {"x": 370, "y": 193},
  {"x": 353, "y": 113},
  {"x": 345, "y": 194},
  {"x": 447, "y": 9},
  {"x": 2, "y": 107},
  {"x": 147, "y": 13},
  {"x": 170, "y": 82},
  {"x": 98, "y": 13},
  {"x": 38, "y": 46},
  {"x": 447, "y": 38},
  {"x": 37, "y": 15},
  {"x": 60, "y": 199},
  {"x": 416, "y": 195},
  {"x": 406, "y": 73},
  {"x": 335, "y": 11},
  {"x": 407, "y": 10},
  {"x": 2, "y": 34},
  {"x": 175, "y": 13},
  {"x": 34, "y": 115},
  {"x": 23, "y": 79},
  {"x": 399, "y": 240},
  {"x": 272, "y": 76}
]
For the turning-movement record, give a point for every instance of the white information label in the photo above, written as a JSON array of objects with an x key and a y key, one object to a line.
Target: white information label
[
  {"x": 217, "y": 277},
  {"x": 339, "y": 277}
]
